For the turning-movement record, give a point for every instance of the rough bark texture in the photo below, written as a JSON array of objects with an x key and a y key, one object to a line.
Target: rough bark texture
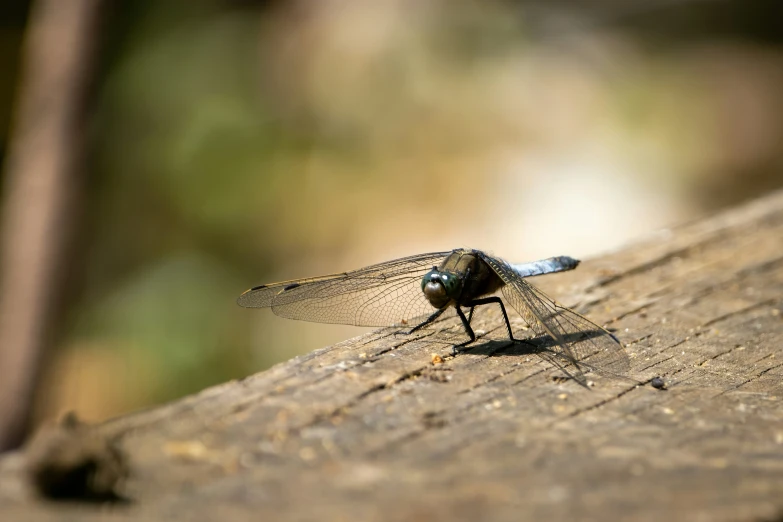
[{"x": 371, "y": 429}]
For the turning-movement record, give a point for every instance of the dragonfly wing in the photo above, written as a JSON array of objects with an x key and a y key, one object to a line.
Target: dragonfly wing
[
  {"x": 386, "y": 294},
  {"x": 577, "y": 339}
]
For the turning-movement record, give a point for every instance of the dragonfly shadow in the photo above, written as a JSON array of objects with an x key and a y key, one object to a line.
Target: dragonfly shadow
[
  {"x": 532, "y": 345},
  {"x": 546, "y": 348}
]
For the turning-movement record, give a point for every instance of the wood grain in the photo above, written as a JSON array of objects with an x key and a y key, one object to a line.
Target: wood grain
[{"x": 371, "y": 429}]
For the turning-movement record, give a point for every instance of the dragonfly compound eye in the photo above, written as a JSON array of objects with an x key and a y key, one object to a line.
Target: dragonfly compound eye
[
  {"x": 440, "y": 287},
  {"x": 436, "y": 294},
  {"x": 452, "y": 284},
  {"x": 434, "y": 289}
]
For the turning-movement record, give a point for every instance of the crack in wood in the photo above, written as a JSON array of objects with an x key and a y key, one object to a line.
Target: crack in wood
[
  {"x": 768, "y": 221},
  {"x": 652, "y": 264},
  {"x": 748, "y": 381},
  {"x": 597, "y": 405},
  {"x": 741, "y": 311}
]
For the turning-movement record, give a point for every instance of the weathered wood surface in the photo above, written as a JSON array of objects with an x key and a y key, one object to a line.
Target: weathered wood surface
[{"x": 370, "y": 429}]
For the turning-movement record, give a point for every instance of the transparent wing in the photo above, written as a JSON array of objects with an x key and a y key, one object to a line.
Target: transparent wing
[
  {"x": 386, "y": 294},
  {"x": 577, "y": 339}
]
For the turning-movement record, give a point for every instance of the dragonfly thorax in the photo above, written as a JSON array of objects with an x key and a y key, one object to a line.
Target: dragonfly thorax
[{"x": 462, "y": 277}]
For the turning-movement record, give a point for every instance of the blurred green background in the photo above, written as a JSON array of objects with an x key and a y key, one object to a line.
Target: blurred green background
[{"x": 234, "y": 143}]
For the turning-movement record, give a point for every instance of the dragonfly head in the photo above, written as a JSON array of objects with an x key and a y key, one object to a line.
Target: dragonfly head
[{"x": 440, "y": 287}]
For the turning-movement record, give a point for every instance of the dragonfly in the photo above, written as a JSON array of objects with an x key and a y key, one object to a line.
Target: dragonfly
[{"x": 417, "y": 290}]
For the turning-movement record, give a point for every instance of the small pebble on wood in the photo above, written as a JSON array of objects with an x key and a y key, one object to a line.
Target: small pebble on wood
[{"x": 658, "y": 383}]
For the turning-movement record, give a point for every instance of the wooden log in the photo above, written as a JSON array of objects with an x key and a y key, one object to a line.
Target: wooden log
[{"x": 373, "y": 429}]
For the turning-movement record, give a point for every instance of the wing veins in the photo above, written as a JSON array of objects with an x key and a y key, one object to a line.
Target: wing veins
[
  {"x": 263, "y": 296},
  {"x": 559, "y": 322}
]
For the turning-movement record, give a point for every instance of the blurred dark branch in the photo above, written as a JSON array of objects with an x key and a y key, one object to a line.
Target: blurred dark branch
[
  {"x": 42, "y": 184},
  {"x": 665, "y": 22}
]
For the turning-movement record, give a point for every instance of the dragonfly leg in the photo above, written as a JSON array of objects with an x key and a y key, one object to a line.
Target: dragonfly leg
[
  {"x": 468, "y": 330},
  {"x": 427, "y": 321},
  {"x": 489, "y": 300}
]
